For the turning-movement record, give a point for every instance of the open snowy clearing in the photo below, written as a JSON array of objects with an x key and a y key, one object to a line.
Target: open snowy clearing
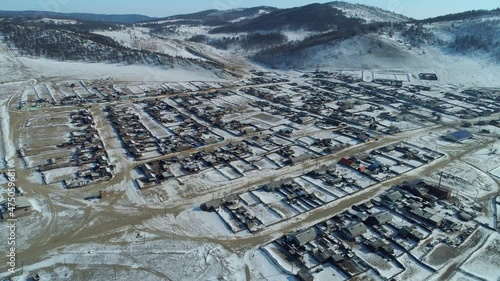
[
  {"x": 82, "y": 70},
  {"x": 152, "y": 260},
  {"x": 485, "y": 261}
]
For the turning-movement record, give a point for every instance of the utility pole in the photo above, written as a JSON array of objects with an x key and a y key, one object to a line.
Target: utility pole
[{"x": 440, "y": 178}]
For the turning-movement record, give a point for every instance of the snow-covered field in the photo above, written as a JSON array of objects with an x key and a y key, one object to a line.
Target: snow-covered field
[
  {"x": 9, "y": 149},
  {"x": 485, "y": 262},
  {"x": 158, "y": 259},
  {"x": 9, "y": 65},
  {"x": 81, "y": 70},
  {"x": 193, "y": 222},
  {"x": 489, "y": 159},
  {"x": 468, "y": 180},
  {"x": 413, "y": 270},
  {"x": 262, "y": 265}
]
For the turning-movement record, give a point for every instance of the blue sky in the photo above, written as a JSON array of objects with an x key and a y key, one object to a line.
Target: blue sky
[{"x": 161, "y": 8}]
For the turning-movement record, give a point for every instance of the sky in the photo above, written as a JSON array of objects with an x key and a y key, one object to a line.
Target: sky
[{"x": 161, "y": 8}]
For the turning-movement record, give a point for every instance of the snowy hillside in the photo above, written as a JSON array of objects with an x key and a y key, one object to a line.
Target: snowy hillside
[
  {"x": 367, "y": 13},
  {"x": 332, "y": 35},
  {"x": 213, "y": 17},
  {"x": 10, "y": 66},
  {"x": 255, "y": 15},
  {"x": 313, "y": 17},
  {"x": 478, "y": 36},
  {"x": 141, "y": 39},
  {"x": 380, "y": 53},
  {"x": 241, "y": 17},
  {"x": 56, "y": 21},
  {"x": 15, "y": 68},
  {"x": 65, "y": 40}
]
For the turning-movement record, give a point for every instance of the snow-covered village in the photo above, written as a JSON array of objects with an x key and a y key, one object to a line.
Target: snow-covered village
[{"x": 334, "y": 141}]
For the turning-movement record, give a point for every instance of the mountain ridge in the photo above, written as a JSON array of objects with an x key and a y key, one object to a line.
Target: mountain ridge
[
  {"x": 109, "y": 18},
  {"x": 333, "y": 33}
]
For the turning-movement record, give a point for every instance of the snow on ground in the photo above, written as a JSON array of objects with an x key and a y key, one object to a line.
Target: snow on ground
[
  {"x": 56, "y": 21},
  {"x": 279, "y": 259},
  {"x": 369, "y": 14},
  {"x": 37, "y": 205},
  {"x": 443, "y": 255},
  {"x": 10, "y": 150},
  {"x": 485, "y": 262},
  {"x": 435, "y": 141},
  {"x": 414, "y": 271},
  {"x": 140, "y": 38},
  {"x": 61, "y": 174},
  {"x": 2, "y": 163},
  {"x": 263, "y": 267},
  {"x": 297, "y": 35},
  {"x": 28, "y": 226},
  {"x": 496, "y": 172},
  {"x": 152, "y": 260},
  {"x": 375, "y": 52},
  {"x": 9, "y": 65},
  {"x": 330, "y": 272},
  {"x": 193, "y": 222},
  {"x": 3, "y": 191},
  {"x": 187, "y": 31},
  {"x": 467, "y": 180},
  {"x": 387, "y": 269},
  {"x": 35, "y": 177},
  {"x": 84, "y": 71},
  {"x": 462, "y": 276},
  {"x": 488, "y": 157}
]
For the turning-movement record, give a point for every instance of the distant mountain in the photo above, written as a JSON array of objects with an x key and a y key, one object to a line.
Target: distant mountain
[
  {"x": 313, "y": 17},
  {"x": 331, "y": 34},
  {"x": 132, "y": 18},
  {"x": 463, "y": 16},
  {"x": 472, "y": 34},
  {"x": 217, "y": 17},
  {"x": 70, "y": 40}
]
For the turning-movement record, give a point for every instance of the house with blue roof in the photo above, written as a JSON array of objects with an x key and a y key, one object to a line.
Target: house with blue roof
[
  {"x": 459, "y": 136},
  {"x": 374, "y": 166}
]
